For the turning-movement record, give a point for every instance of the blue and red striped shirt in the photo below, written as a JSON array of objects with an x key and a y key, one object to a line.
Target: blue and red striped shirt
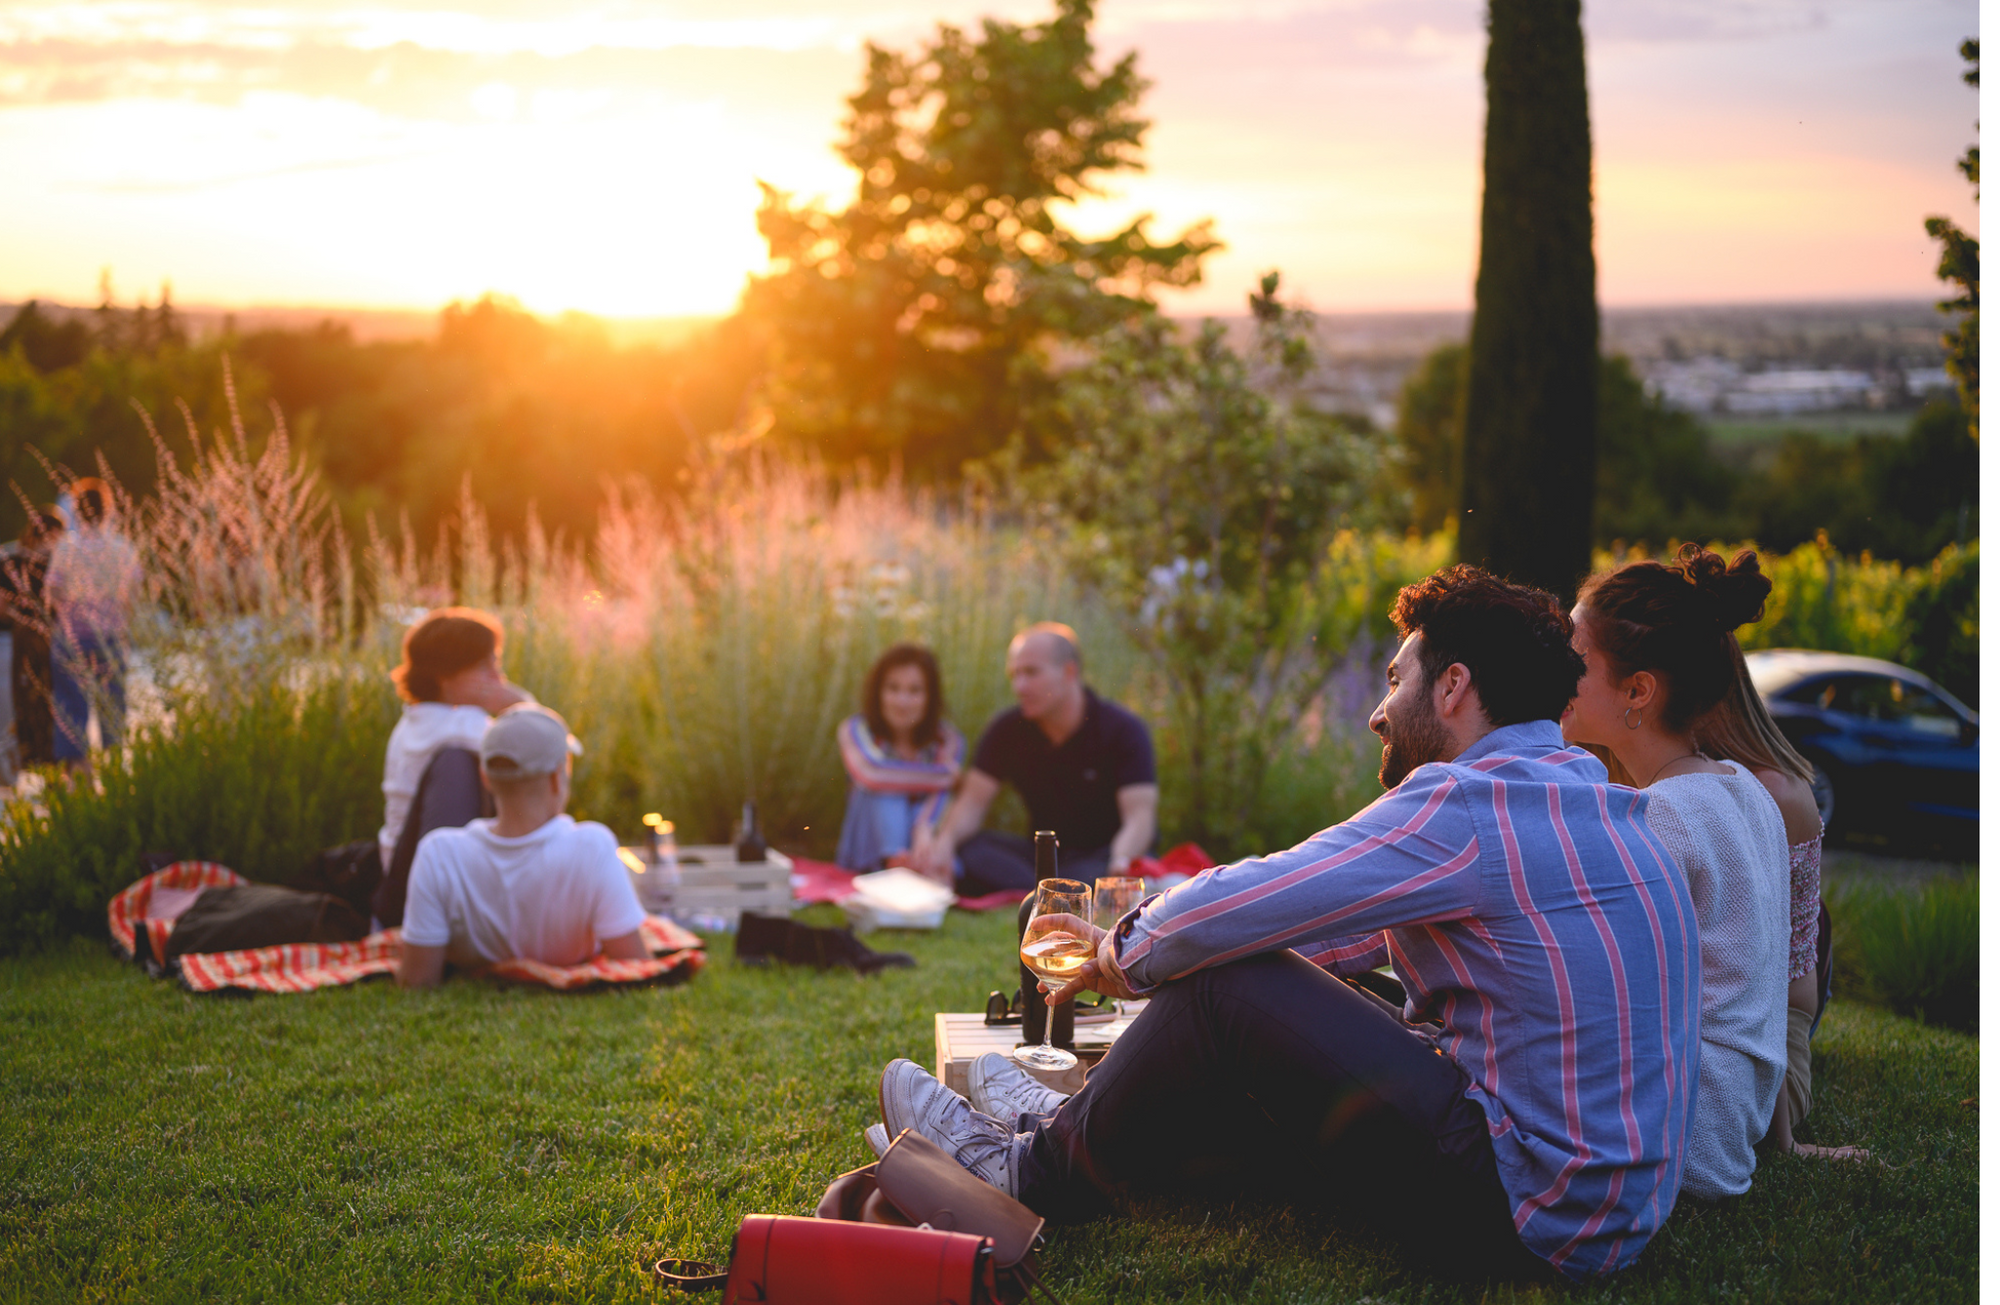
[{"x": 1527, "y": 907}]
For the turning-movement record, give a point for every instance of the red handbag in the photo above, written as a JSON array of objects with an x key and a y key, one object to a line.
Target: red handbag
[
  {"x": 913, "y": 1229},
  {"x": 780, "y": 1260}
]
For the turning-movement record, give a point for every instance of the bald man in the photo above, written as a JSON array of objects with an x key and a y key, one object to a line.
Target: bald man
[{"x": 1083, "y": 765}]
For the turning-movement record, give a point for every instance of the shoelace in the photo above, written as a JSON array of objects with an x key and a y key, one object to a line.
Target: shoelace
[
  {"x": 979, "y": 1138},
  {"x": 1029, "y": 1098}
]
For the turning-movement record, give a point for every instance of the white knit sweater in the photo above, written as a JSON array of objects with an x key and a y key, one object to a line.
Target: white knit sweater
[{"x": 1727, "y": 834}]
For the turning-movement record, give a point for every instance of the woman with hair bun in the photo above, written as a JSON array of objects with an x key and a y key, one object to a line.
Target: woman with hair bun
[
  {"x": 1740, "y": 728},
  {"x": 1659, "y": 651}
]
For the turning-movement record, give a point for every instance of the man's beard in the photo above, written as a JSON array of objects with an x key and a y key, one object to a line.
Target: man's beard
[{"x": 1414, "y": 738}]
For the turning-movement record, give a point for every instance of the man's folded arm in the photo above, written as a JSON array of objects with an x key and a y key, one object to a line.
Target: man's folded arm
[
  {"x": 1411, "y": 858},
  {"x": 1348, "y": 956}
]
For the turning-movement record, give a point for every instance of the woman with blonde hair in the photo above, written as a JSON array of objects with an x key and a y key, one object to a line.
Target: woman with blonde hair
[{"x": 1739, "y": 728}]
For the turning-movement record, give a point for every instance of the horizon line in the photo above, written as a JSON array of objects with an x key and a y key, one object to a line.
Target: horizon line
[{"x": 211, "y": 308}]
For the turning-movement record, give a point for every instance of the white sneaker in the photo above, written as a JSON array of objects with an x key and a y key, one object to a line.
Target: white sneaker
[
  {"x": 1002, "y": 1089},
  {"x": 877, "y": 1138},
  {"x": 984, "y": 1146}
]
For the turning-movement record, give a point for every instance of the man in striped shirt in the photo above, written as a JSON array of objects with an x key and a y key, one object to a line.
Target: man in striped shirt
[{"x": 1536, "y": 1099}]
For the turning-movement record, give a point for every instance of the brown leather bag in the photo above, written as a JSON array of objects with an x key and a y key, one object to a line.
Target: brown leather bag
[
  {"x": 918, "y": 1184},
  {"x": 911, "y": 1229}
]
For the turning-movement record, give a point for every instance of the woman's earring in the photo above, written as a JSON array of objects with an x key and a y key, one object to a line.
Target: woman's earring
[{"x": 1629, "y": 723}]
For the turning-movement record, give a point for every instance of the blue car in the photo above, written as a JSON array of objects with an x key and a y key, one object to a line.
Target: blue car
[{"x": 1897, "y": 755}]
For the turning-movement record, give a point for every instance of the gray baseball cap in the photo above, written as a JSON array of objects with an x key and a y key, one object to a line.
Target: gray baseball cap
[{"x": 527, "y": 739}]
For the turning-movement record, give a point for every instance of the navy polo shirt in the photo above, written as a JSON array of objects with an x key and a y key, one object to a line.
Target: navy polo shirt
[{"x": 1072, "y": 789}]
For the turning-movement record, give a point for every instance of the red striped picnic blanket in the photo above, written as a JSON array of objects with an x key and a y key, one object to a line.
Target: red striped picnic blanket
[
  {"x": 149, "y": 906},
  {"x": 822, "y": 881}
]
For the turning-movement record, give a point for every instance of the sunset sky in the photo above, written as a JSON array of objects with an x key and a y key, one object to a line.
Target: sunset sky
[{"x": 602, "y": 154}]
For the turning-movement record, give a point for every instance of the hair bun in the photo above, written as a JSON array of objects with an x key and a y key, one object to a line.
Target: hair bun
[{"x": 1735, "y": 592}]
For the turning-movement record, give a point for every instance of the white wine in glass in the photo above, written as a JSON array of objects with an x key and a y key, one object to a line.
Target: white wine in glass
[{"x": 1055, "y": 945}]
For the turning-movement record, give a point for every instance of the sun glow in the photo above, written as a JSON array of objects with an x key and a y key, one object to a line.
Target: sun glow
[
  {"x": 545, "y": 196},
  {"x": 604, "y": 156}
]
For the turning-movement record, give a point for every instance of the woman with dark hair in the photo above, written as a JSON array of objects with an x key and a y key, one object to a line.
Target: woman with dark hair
[
  {"x": 1740, "y": 728},
  {"x": 903, "y": 757},
  {"x": 451, "y": 687},
  {"x": 1658, "y": 649}
]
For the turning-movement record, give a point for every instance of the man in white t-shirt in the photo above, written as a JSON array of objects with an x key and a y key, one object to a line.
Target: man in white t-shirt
[{"x": 530, "y": 882}]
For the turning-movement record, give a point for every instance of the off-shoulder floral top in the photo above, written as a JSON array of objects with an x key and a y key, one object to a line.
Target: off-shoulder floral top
[{"x": 1805, "y": 906}]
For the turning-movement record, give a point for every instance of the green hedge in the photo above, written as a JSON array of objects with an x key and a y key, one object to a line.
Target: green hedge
[
  {"x": 257, "y": 785},
  {"x": 1914, "y": 951}
]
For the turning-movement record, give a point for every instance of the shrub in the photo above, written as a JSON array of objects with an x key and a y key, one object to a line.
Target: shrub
[
  {"x": 1943, "y": 622},
  {"x": 1915, "y": 951},
  {"x": 1926, "y": 617},
  {"x": 1820, "y": 599},
  {"x": 258, "y": 781}
]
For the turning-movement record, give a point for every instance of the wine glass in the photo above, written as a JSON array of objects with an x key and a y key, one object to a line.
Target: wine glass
[
  {"x": 1116, "y": 894},
  {"x": 1055, "y": 946}
]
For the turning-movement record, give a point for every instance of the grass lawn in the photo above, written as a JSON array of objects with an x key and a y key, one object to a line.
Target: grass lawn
[{"x": 485, "y": 1144}]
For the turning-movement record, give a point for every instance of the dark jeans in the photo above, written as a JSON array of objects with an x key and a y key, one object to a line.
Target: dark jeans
[
  {"x": 1268, "y": 1076},
  {"x": 990, "y": 861},
  {"x": 84, "y": 667}
]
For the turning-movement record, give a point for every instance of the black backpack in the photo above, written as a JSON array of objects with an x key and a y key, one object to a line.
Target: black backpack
[{"x": 263, "y": 915}]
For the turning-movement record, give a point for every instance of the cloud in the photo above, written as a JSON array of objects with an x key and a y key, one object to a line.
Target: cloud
[
  {"x": 1650, "y": 21},
  {"x": 412, "y": 80},
  {"x": 376, "y": 53}
]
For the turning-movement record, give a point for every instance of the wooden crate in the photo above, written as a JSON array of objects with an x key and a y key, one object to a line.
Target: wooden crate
[
  {"x": 715, "y": 883},
  {"x": 962, "y": 1039}
]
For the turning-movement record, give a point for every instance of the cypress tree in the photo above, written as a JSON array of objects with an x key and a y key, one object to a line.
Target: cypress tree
[{"x": 1531, "y": 390}]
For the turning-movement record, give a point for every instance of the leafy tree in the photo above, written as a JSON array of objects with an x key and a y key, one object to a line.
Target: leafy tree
[
  {"x": 1657, "y": 476},
  {"x": 528, "y": 411},
  {"x": 1902, "y": 497},
  {"x": 1531, "y": 389},
  {"x": 1958, "y": 263},
  {"x": 48, "y": 343},
  {"x": 919, "y": 321},
  {"x": 1199, "y": 492},
  {"x": 1430, "y": 430},
  {"x": 83, "y": 417}
]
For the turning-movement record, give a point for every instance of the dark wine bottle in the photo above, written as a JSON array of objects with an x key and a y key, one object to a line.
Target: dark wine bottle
[
  {"x": 1035, "y": 1010},
  {"x": 750, "y": 842}
]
